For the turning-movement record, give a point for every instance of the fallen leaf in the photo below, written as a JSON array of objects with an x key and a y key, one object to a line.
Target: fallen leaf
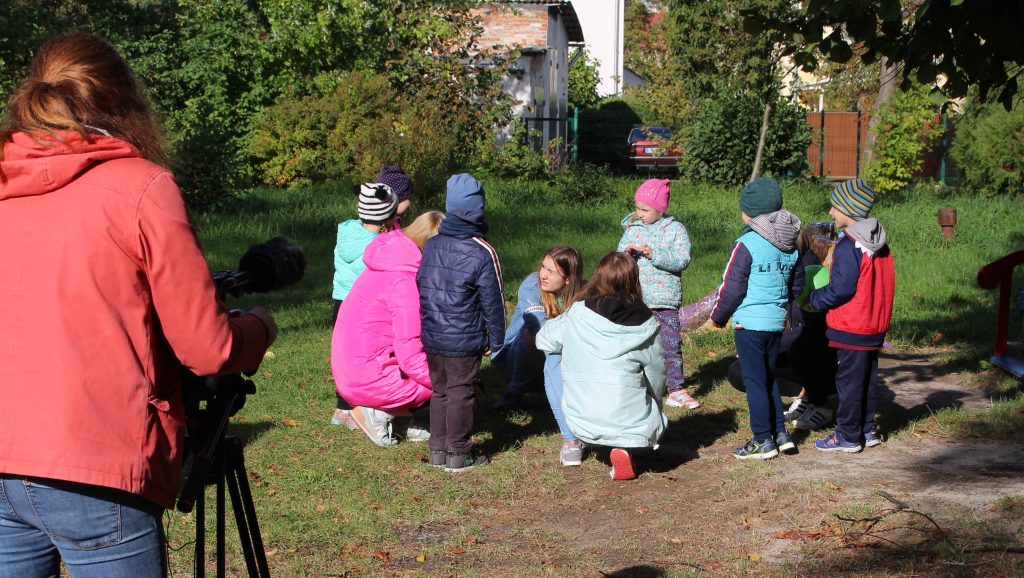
[
  {"x": 416, "y": 499},
  {"x": 292, "y": 550},
  {"x": 457, "y": 551},
  {"x": 375, "y": 507},
  {"x": 321, "y": 508},
  {"x": 272, "y": 552},
  {"x": 382, "y": 556},
  {"x": 676, "y": 541},
  {"x": 472, "y": 540},
  {"x": 421, "y": 558},
  {"x": 916, "y": 540},
  {"x": 642, "y": 510},
  {"x": 748, "y": 523},
  {"x": 755, "y": 557},
  {"x": 289, "y": 422},
  {"x": 271, "y": 492}
]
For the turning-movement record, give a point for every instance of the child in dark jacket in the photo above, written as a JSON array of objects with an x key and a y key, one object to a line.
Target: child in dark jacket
[
  {"x": 463, "y": 309},
  {"x": 755, "y": 290},
  {"x": 859, "y": 300}
]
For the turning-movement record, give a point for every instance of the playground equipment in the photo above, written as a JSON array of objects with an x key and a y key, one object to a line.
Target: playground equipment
[{"x": 999, "y": 274}]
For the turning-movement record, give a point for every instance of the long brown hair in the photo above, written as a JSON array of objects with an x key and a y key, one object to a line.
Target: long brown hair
[
  {"x": 79, "y": 83},
  {"x": 617, "y": 274},
  {"x": 570, "y": 263}
]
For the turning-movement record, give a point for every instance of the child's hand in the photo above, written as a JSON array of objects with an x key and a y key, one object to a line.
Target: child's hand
[{"x": 646, "y": 250}]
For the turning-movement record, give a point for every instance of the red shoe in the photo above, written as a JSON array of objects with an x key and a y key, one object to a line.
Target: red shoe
[{"x": 622, "y": 465}]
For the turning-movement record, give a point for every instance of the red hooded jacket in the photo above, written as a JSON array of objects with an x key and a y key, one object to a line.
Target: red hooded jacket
[{"x": 103, "y": 290}]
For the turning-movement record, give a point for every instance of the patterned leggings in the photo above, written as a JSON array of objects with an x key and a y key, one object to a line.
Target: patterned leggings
[{"x": 670, "y": 338}]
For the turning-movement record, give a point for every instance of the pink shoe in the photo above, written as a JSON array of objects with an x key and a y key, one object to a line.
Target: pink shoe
[
  {"x": 622, "y": 465},
  {"x": 682, "y": 398}
]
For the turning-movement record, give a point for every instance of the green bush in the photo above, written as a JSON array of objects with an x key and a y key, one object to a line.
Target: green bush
[
  {"x": 719, "y": 147},
  {"x": 989, "y": 149},
  {"x": 361, "y": 126},
  {"x": 514, "y": 158},
  {"x": 907, "y": 128}
]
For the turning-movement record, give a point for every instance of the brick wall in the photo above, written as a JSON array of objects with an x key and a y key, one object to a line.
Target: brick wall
[{"x": 527, "y": 26}]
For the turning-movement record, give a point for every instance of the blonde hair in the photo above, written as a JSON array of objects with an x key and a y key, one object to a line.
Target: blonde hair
[
  {"x": 570, "y": 263},
  {"x": 424, "y": 227},
  {"x": 79, "y": 83}
]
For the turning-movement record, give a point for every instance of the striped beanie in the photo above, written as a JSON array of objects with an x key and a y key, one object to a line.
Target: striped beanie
[
  {"x": 377, "y": 203},
  {"x": 853, "y": 198}
]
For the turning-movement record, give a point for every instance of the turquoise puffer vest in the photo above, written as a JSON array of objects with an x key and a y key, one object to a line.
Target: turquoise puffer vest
[{"x": 764, "y": 307}]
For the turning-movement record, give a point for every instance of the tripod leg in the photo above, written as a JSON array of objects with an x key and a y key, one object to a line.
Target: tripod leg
[
  {"x": 221, "y": 519},
  {"x": 200, "y": 549},
  {"x": 245, "y": 512}
]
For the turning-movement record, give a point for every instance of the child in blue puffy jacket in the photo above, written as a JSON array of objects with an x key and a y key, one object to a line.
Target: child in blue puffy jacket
[{"x": 463, "y": 309}]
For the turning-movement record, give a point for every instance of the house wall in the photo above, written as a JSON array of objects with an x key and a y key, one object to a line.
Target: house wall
[
  {"x": 526, "y": 26},
  {"x": 603, "y": 23}
]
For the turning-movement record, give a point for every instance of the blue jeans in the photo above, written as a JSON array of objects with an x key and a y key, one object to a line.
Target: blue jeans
[
  {"x": 758, "y": 351},
  {"x": 97, "y": 532},
  {"x": 520, "y": 365},
  {"x": 554, "y": 387}
]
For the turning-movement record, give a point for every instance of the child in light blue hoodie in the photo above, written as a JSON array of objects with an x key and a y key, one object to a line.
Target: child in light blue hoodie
[{"x": 613, "y": 364}]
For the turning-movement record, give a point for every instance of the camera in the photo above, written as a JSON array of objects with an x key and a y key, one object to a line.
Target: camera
[{"x": 635, "y": 253}]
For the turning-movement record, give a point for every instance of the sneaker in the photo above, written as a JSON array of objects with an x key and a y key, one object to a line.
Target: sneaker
[
  {"x": 571, "y": 454},
  {"x": 461, "y": 462},
  {"x": 785, "y": 443},
  {"x": 797, "y": 408},
  {"x": 415, "y": 433},
  {"x": 873, "y": 438},
  {"x": 682, "y": 398},
  {"x": 438, "y": 458},
  {"x": 344, "y": 417},
  {"x": 507, "y": 401},
  {"x": 813, "y": 418},
  {"x": 376, "y": 424},
  {"x": 836, "y": 443},
  {"x": 757, "y": 450},
  {"x": 622, "y": 465}
]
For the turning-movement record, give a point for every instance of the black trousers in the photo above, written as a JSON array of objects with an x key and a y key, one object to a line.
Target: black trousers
[{"x": 451, "y": 405}]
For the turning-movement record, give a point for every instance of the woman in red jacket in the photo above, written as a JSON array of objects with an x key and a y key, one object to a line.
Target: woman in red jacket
[{"x": 105, "y": 295}]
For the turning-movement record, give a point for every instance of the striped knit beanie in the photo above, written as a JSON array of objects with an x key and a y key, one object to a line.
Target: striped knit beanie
[
  {"x": 377, "y": 203},
  {"x": 853, "y": 198}
]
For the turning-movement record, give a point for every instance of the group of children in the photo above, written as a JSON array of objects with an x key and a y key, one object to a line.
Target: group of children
[{"x": 607, "y": 349}]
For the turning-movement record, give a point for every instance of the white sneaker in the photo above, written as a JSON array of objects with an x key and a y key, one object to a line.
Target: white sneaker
[
  {"x": 416, "y": 433},
  {"x": 376, "y": 424},
  {"x": 797, "y": 408},
  {"x": 814, "y": 418}
]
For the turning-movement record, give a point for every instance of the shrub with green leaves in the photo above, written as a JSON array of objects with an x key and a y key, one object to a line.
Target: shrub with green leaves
[
  {"x": 908, "y": 127},
  {"x": 719, "y": 147},
  {"x": 989, "y": 149}
]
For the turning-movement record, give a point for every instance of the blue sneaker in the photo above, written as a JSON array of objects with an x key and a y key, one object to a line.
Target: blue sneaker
[
  {"x": 785, "y": 443},
  {"x": 757, "y": 450},
  {"x": 873, "y": 438},
  {"x": 836, "y": 443}
]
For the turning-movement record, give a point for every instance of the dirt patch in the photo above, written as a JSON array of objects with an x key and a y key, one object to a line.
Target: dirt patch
[{"x": 698, "y": 511}]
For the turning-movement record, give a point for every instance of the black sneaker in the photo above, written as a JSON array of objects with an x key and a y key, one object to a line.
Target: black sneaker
[
  {"x": 462, "y": 462},
  {"x": 438, "y": 458}
]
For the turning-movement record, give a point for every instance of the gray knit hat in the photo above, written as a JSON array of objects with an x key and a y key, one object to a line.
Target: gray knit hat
[{"x": 377, "y": 202}]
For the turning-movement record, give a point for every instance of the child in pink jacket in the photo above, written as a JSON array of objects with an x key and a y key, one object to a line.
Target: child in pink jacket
[{"x": 376, "y": 354}]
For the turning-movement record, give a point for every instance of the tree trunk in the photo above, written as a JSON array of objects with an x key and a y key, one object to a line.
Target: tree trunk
[
  {"x": 886, "y": 88},
  {"x": 760, "y": 141}
]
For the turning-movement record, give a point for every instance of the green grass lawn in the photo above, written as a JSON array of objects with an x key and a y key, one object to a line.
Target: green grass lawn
[{"x": 330, "y": 502}]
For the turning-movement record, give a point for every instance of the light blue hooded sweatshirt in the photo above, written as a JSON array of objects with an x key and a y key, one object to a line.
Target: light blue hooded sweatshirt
[
  {"x": 348, "y": 256},
  {"x": 614, "y": 377}
]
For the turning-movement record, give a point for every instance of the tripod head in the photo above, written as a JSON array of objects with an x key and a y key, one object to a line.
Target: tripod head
[{"x": 211, "y": 400}]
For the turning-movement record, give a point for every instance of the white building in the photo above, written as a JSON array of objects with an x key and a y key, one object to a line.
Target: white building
[
  {"x": 603, "y": 22},
  {"x": 542, "y": 31}
]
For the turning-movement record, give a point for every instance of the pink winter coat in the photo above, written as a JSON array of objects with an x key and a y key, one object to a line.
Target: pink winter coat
[{"x": 377, "y": 335}]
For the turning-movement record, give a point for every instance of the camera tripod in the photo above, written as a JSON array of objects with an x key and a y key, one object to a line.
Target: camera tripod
[{"x": 219, "y": 461}]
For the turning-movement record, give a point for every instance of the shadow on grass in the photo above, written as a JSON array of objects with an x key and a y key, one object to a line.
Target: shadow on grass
[{"x": 641, "y": 571}]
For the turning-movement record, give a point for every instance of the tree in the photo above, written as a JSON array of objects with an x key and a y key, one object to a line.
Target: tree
[
  {"x": 583, "y": 80},
  {"x": 953, "y": 44}
]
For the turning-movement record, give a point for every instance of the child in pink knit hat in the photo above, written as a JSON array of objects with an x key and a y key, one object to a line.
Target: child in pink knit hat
[{"x": 661, "y": 246}]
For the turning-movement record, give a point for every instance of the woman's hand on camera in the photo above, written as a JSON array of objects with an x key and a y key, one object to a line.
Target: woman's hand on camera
[{"x": 268, "y": 322}]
